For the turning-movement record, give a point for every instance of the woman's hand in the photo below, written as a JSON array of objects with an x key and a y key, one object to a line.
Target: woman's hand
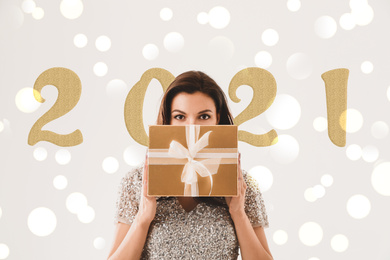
[
  {"x": 236, "y": 204},
  {"x": 147, "y": 207}
]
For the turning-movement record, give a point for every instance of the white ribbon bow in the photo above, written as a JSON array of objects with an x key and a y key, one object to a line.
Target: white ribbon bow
[{"x": 204, "y": 168}]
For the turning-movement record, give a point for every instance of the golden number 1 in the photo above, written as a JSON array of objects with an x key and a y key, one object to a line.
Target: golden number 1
[{"x": 336, "y": 82}]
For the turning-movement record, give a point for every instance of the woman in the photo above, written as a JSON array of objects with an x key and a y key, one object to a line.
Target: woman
[{"x": 188, "y": 227}]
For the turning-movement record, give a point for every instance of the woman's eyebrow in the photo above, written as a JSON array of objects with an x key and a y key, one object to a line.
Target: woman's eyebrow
[{"x": 200, "y": 112}]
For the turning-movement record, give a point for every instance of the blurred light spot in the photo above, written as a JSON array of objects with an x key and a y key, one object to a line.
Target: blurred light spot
[
  {"x": 150, "y": 51},
  {"x": 284, "y": 113},
  {"x": 363, "y": 15},
  {"x": 309, "y": 195},
  {"x": 370, "y": 153},
  {"x": 263, "y": 176},
  {"x": 347, "y": 22},
  {"x": 40, "y": 154},
  {"x": 28, "y": 6},
  {"x": 286, "y": 150},
  {"x": 75, "y": 202},
  {"x": 354, "y": 120},
  {"x": 358, "y": 206},
  {"x": 310, "y": 234},
  {"x": 38, "y": 13},
  {"x": 99, "y": 243},
  {"x": 86, "y": 214},
  {"x": 325, "y": 27},
  {"x": 63, "y": 156},
  {"x": 319, "y": 191},
  {"x": 219, "y": 17},
  {"x": 11, "y": 18},
  {"x": 293, "y": 5},
  {"x": 110, "y": 165},
  {"x": 100, "y": 69},
  {"x": 116, "y": 89},
  {"x": 42, "y": 221},
  {"x": 221, "y": 48},
  {"x": 339, "y": 243},
  {"x": 379, "y": 130},
  {"x": 320, "y": 124},
  {"x": 354, "y": 152},
  {"x": 80, "y": 40},
  {"x": 203, "y": 18},
  {"x": 103, "y": 43},
  {"x": 71, "y": 9},
  {"x": 134, "y": 155},
  {"x": 327, "y": 180},
  {"x": 380, "y": 178},
  {"x": 357, "y": 4},
  {"x": 367, "y": 67},
  {"x": 263, "y": 59},
  {"x": 60, "y": 182},
  {"x": 299, "y": 66},
  {"x": 25, "y": 100},
  {"x": 280, "y": 237},
  {"x": 166, "y": 14},
  {"x": 1, "y": 126},
  {"x": 173, "y": 42},
  {"x": 313, "y": 258},
  {"x": 270, "y": 37},
  {"x": 4, "y": 251}
]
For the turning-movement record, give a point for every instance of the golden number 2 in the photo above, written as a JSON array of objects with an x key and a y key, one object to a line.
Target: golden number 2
[
  {"x": 135, "y": 100},
  {"x": 264, "y": 91},
  {"x": 69, "y": 90},
  {"x": 336, "y": 82}
]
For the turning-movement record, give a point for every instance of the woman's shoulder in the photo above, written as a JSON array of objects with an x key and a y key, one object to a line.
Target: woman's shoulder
[{"x": 135, "y": 172}]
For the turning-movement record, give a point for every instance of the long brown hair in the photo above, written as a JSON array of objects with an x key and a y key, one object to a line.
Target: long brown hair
[{"x": 191, "y": 82}]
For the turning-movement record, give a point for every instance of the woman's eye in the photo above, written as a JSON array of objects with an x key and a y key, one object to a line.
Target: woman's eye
[
  {"x": 179, "y": 117},
  {"x": 205, "y": 116}
]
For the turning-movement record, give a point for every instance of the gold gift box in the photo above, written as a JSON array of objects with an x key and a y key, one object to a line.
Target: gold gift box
[{"x": 208, "y": 168}]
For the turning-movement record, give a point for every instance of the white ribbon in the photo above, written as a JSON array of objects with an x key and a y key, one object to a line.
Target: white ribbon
[{"x": 204, "y": 168}]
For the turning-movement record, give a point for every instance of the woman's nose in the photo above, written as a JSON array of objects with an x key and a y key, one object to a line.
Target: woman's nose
[{"x": 191, "y": 121}]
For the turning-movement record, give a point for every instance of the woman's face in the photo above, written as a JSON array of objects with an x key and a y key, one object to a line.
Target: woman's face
[{"x": 194, "y": 109}]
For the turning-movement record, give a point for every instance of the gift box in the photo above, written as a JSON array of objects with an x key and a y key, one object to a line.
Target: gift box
[{"x": 192, "y": 160}]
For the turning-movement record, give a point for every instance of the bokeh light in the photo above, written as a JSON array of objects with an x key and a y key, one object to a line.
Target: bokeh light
[
  {"x": 38, "y": 13},
  {"x": 150, "y": 51},
  {"x": 347, "y": 22},
  {"x": 25, "y": 100},
  {"x": 117, "y": 89},
  {"x": 320, "y": 124},
  {"x": 354, "y": 152},
  {"x": 28, "y": 6},
  {"x": 1, "y": 126},
  {"x": 379, "y": 130},
  {"x": 363, "y": 15},
  {"x": 42, "y": 221},
  {"x": 367, "y": 67},
  {"x": 293, "y": 5},
  {"x": 166, "y": 14},
  {"x": 202, "y": 18},
  {"x": 357, "y": 4},
  {"x": 219, "y": 17},
  {"x": 354, "y": 120},
  {"x": 103, "y": 43},
  {"x": 280, "y": 237},
  {"x": 134, "y": 155},
  {"x": 263, "y": 176},
  {"x": 370, "y": 153},
  {"x": 76, "y": 202},
  {"x": 286, "y": 150},
  {"x": 40, "y": 154},
  {"x": 173, "y": 42},
  {"x": 358, "y": 206},
  {"x": 71, "y": 9},
  {"x": 100, "y": 69},
  {"x": 319, "y": 191},
  {"x": 380, "y": 178},
  {"x": 60, "y": 182},
  {"x": 310, "y": 233},
  {"x": 339, "y": 243},
  {"x": 86, "y": 214},
  {"x": 110, "y": 165},
  {"x": 309, "y": 195},
  {"x": 270, "y": 37},
  {"x": 63, "y": 156},
  {"x": 284, "y": 113},
  {"x": 327, "y": 180},
  {"x": 99, "y": 243},
  {"x": 4, "y": 251},
  {"x": 299, "y": 66},
  {"x": 221, "y": 48},
  {"x": 80, "y": 40},
  {"x": 263, "y": 59},
  {"x": 325, "y": 27},
  {"x": 313, "y": 258}
]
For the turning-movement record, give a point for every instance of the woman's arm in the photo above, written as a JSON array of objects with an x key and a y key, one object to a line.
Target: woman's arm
[{"x": 130, "y": 239}]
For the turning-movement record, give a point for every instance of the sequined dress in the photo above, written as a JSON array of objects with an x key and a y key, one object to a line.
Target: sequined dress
[{"x": 206, "y": 232}]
